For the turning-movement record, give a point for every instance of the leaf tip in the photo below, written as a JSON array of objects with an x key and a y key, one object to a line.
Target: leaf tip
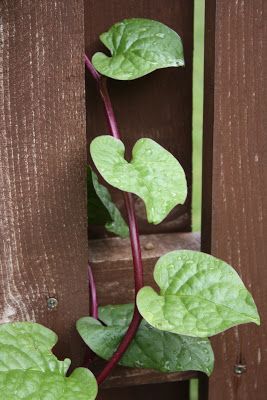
[{"x": 257, "y": 320}]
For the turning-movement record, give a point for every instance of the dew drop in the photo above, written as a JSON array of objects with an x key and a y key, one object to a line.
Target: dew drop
[
  {"x": 167, "y": 365},
  {"x": 161, "y": 35},
  {"x": 139, "y": 364}
]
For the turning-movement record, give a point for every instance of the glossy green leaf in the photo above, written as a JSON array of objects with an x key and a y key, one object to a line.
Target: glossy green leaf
[
  {"x": 151, "y": 348},
  {"x": 138, "y": 46},
  {"x": 153, "y": 173},
  {"x": 25, "y": 345},
  {"x": 35, "y": 385},
  {"x": 200, "y": 295},
  {"x": 102, "y": 210},
  {"x": 29, "y": 370}
]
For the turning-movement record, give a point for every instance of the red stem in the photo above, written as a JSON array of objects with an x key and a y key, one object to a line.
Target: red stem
[
  {"x": 91, "y": 69},
  {"x": 102, "y": 86},
  {"x": 93, "y": 312},
  {"x": 92, "y": 293},
  {"x": 134, "y": 236}
]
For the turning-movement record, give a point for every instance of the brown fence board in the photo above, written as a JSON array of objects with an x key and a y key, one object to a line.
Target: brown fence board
[
  {"x": 157, "y": 106},
  {"x": 235, "y": 133},
  {"x": 43, "y": 247}
]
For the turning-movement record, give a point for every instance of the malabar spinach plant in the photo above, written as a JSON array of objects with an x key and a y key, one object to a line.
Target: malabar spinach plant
[{"x": 199, "y": 295}]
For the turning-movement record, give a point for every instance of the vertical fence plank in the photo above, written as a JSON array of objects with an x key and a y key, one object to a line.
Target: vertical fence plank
[
  {"x": 43, "y": 247},
  {"x": 236, "y": 176}
]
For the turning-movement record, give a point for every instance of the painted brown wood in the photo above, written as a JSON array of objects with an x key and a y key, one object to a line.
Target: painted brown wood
[
  {"x": 130, "y": 377},
  {"x": 171, "y": 391},
  {"x": 236, "y": 176},
  {"x": 157, "y": 106},
  {"x": 112, "y": 257},
  {"x": 43, "y": 246}
]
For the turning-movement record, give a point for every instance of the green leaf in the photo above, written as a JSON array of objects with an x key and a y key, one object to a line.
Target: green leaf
[
  {"x": 153, "y": 173},
  {"x": 200, "y": 296},
  {"x": 35, "y": 385},
  {"x": 25, "y": 345},
  {"x": 151, "y": 348},
  {"x": 138, "y": 46},
  {"x": 102, "y": 210},
  {"x": 29, "y": 370}
]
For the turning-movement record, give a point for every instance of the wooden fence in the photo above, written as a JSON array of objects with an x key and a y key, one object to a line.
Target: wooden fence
[{"x": 46, "y": 108}]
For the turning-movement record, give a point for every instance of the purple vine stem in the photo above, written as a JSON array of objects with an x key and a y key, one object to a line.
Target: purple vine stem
[
  {"x": 92, "y": 293},
  {"x": 134, "y": 236},
  {"x": 93, "y": 312}
]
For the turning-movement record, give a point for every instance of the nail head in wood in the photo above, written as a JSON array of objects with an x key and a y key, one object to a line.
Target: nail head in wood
[
  {"x": 239, "y": 369},
  {"x": 52, "y": 303}
]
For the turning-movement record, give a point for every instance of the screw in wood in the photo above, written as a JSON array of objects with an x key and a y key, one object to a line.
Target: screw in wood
[
  {"x": 239, "y": 369},
  {"x": 52, "y": 303}
]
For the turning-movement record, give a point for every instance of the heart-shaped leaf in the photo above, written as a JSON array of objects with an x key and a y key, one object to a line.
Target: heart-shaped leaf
[
  {"x": 200, "y": 296},
  {"x": 153, "y": 173},
  {"x": 101, "y": 209},
  {"x": 138, "y": 46},
  {"x": 151, "y": 348},
  {"x": 29, "y": 370}
]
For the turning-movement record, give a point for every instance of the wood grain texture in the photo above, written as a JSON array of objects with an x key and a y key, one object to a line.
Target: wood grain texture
[
  {"x": 158, "y": 106},
  {"x": 112, "y": 257},
  {"x": 43, "y": 247},
  {"x": 237, "y": 33}
]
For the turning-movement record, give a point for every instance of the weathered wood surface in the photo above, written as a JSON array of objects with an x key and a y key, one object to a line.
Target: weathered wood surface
[
  {"x": 112, "y": 257},
  {"x": 235, "y": 134},
  {"x": 43, "y": 246},
  {"x": 157, "y": 106}
]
